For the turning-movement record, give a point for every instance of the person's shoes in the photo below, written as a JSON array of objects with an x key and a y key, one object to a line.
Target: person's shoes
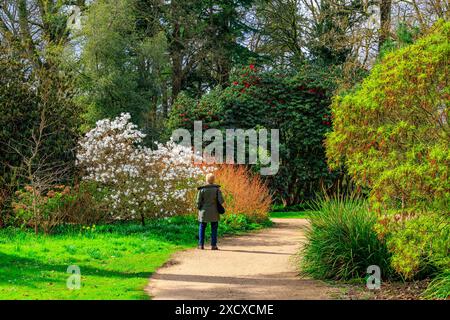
[
  {"x": 201, "y": 247},
  {"x": 214, "y": 248}
]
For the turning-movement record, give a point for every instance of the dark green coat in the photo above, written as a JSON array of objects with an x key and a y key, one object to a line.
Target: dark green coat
[{"x": 207, "y": 197}]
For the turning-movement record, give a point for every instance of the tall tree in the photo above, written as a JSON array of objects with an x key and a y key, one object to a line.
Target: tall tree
[
  {"x": 385, "y": 21},
  {"x": 204, "y": 42},
  {"x": 124, "y": 62},
  {"x": 282, "y": 29},
  {"x": 299, "y": 30},
  {"x": 138, "y": 55},
  {"x": 38, "y": 25}
]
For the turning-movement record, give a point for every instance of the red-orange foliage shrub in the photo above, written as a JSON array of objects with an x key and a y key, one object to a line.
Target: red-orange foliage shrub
[{"x": 245, "y": 193}]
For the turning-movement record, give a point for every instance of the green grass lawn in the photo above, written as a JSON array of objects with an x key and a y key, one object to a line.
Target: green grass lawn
[
  {"x": 115, "y": 260},
  {"x": 291, "y": 214}
]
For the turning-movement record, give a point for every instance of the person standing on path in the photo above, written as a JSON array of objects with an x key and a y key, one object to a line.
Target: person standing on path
[{"x": 208, "y": 197}]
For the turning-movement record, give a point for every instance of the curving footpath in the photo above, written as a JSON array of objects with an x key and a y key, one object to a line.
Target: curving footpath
[{"x": 254, "y": 266}]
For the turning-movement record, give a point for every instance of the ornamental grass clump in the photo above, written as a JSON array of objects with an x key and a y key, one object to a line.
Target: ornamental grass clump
[
  {"x": 341, "y": 241},
  {"x": 439, "y": 288}
]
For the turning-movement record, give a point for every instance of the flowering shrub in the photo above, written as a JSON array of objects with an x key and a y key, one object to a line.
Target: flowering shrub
[
  {"x": 244, "y": 193},
  {"x": 186, "y": 110},
  {"x": 141, "y": 182},
  {"x": 297, "y": 105},
  {"x": 392, "y": 134}
]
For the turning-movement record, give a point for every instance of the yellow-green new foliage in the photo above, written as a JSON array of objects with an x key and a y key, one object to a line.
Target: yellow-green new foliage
[{"x": 392, "y": 134}]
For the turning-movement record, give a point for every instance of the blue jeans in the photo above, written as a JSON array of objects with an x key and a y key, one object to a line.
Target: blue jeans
[{"x": 201, "y": 233}]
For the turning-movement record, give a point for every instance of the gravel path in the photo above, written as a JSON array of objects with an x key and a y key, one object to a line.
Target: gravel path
[{"x": 258, "y": 265}]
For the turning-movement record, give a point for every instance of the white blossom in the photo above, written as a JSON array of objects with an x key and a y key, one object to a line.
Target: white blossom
[{"x": 139, "y": 180}]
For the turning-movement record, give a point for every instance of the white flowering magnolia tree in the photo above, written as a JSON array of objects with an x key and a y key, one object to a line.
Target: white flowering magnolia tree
[{"x": 140, "y": 182}]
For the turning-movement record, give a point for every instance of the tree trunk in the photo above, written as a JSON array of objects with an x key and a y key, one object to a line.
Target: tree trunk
[
  {"x": 177, "y": 75},
  {"x": 385, "y": 22},
  {"x": 176, "y": 51},
  {"x": 165, "y": 103},
  {"x": 25, "y": 33}
]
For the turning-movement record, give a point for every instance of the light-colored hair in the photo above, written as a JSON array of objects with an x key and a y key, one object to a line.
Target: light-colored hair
[{"x": 210, "y": 178}]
